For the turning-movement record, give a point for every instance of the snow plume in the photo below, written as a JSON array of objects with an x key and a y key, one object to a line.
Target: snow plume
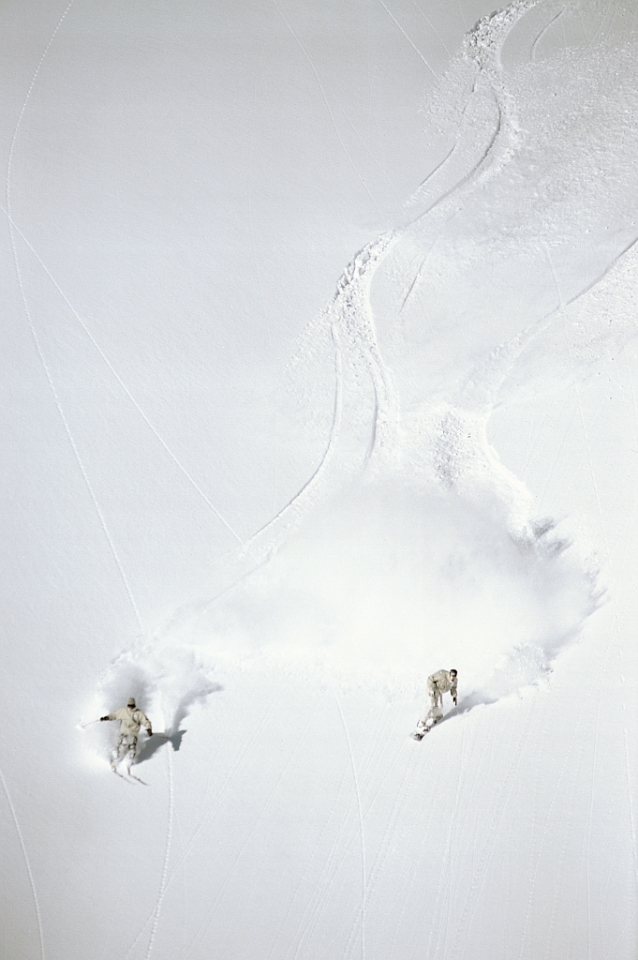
[
  {"x": 166, "y": 680},
  {"x": 388, "y": 582}
]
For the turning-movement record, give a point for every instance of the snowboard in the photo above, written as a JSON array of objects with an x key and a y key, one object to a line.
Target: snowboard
[{"x": 420, "y": 732}]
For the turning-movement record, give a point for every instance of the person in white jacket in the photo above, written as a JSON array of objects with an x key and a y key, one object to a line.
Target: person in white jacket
[
  {"x": 443, "y": 681},
  {"x": 131, "y": 720}
]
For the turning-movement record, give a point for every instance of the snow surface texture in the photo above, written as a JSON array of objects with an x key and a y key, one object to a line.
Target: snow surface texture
[{"x": 269, "y": 521}]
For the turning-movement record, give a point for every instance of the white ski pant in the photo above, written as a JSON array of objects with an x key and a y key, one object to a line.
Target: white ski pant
[
  {"x": 435, "y": 713},
  {"x": 126, "y": 747}
]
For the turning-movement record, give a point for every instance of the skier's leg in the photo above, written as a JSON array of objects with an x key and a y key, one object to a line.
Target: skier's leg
[
  {"x": 130, "y": 752},
  {"x": 427, "y": 712},
  {"x": 118, "y": 752},
  {"x": 432, "y": 716},
  {"x": 435, "y": 713}
]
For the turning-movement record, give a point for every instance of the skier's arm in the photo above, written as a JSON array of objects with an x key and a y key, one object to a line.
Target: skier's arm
[
  {"x": 109, "y": 716},
  {"x": 146, "y": 723}
]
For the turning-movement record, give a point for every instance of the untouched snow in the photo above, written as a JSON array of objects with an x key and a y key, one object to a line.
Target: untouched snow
[{"x": 320, "y": 374}]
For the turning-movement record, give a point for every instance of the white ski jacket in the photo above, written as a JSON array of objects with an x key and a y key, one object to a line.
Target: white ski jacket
[
  {"x": 444, "y": 682},
  {"x": 131, "y": 719}
]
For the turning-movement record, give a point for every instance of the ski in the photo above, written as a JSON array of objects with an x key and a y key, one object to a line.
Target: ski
[
  {"x": 121, "y": 776},
  {"x": 129, "y": 778},
  {"x": 139, "y": 779}
]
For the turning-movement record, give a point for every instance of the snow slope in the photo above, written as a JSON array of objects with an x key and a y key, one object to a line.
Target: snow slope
[{"x": 320, "y": 374}]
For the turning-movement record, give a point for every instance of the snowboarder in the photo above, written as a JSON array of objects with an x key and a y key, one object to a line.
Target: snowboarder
[
  {"x": 443, "y": 681},
  {"x": 131, "y": 719}
]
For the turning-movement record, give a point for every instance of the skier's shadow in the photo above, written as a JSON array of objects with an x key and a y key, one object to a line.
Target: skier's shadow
[
  {"x": 476, "y": 699},
  {"x": 173, "y": 735},
  {"x": 155, "y": 743}
]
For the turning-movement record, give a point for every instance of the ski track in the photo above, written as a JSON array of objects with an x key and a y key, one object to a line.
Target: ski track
[
  {"x": 27, "y": 862},
  {"x": 527, "y": 922},
  {"x": 577, "y": 749},
  {"x": 251, "y": 155},
  {"x": 410, "y": 41},
  {"x": 121, "y": 382},
  {"x": 167, "y": 853},
  {"x": 633, "y": 394},
  {"x": 336, "y": 805},
  {"x": 373, "y": 774},
  {"x": 438, "y": 204},
  {"x": 397, "y": 809},
  {"x": 485, "y": 57},
  {"x": 231, "y": 774},
  {"x": 334, "y": 863},
  {"x": 200, "y": 936},
  {"x": 307, "y": 491},
  {"x": 448, "y": 842},
  {"x": 36, "y": 339},
  {"x": 357, "y": 787},
  {"x": 450, "y": 867},
  {"x": 79, "y": 460},
  {"x": 602, "y": 23},
  {"x": 582, "y": 880},
  {"x": 622, "y": 566},
  {"x": 433, "y": 173},
  {"x": 432, "y": 28},
  {"x": 480, "y": 868},
  {"x": 445, "y": 875},
  {"x": 632, "y": 812},
  {"x": 309, "y": 912},
  {"x": 416, "y": 281},
  {"x": 417, "y": 768},
  {"x": 16, "y": 130},
  {"x": 327, "y": 104},
  {"x": 463, "y": 20},
  {"x": 596, "y": 490},
  {"x": 532, "y": 53},
  {"x": 355, "y": 318},
  {"x": 184, "y": 892}
]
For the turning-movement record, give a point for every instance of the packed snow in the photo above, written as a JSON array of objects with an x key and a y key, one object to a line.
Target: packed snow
[{"x": 320, "y": 375}]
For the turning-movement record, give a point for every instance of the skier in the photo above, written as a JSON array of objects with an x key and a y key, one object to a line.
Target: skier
[
  {"x": 443, "y": 681},
  {"x": 131, "y": 719}
]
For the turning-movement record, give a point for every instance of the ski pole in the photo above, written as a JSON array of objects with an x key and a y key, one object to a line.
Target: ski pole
[{"x": 88, "y": 723}]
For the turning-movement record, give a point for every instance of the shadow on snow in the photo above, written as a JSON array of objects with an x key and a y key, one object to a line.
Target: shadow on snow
[{"x": 173, "y": 734}]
